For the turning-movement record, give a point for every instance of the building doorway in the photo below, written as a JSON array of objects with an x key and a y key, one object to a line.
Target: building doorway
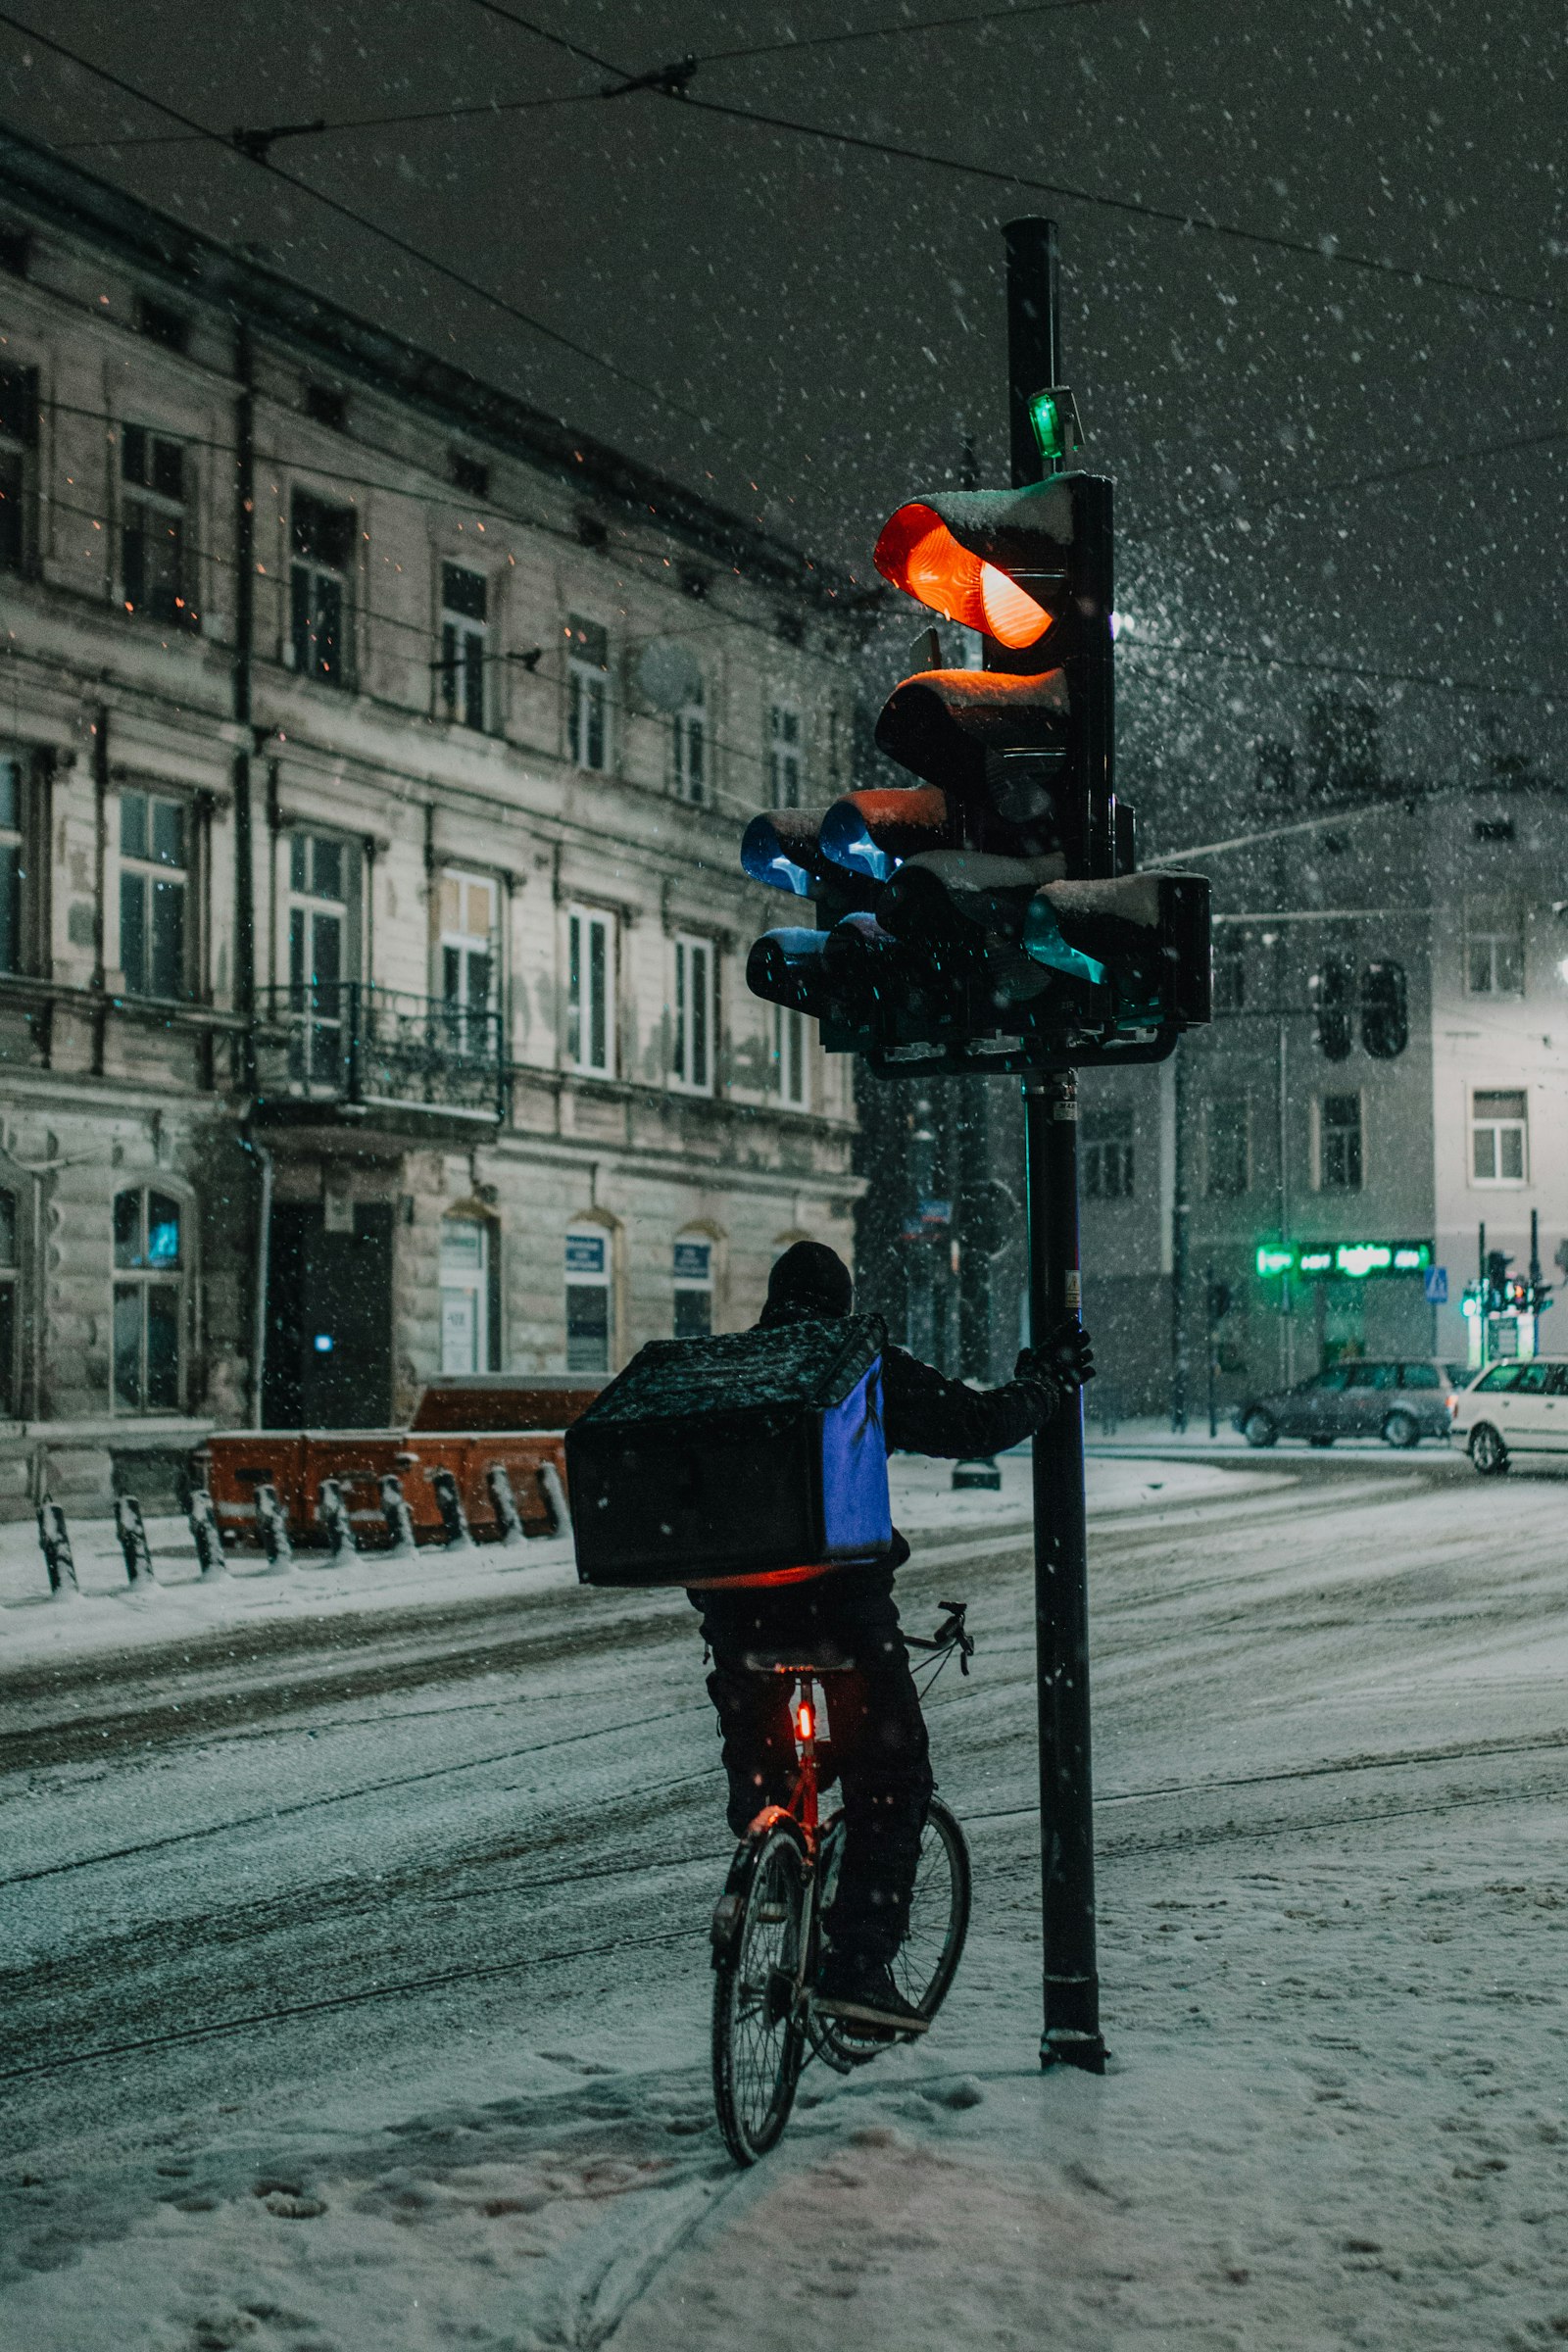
[{"x": 328, "y": 1319}]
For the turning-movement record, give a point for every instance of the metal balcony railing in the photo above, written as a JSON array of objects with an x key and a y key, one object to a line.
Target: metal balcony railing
[{"x": 350, "y": 1040}]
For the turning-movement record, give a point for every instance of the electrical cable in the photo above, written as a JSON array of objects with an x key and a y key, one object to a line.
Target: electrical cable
[
  {"x": 345, "y": 212},
  {"x": 1325, "y": 249}
]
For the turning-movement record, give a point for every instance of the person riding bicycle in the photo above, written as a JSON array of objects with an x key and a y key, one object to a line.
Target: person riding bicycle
[{"x": 877, "y": 1731}]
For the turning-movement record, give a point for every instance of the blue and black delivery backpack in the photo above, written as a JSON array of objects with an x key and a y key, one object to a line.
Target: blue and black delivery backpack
[{"x": 753, "y": 1459}]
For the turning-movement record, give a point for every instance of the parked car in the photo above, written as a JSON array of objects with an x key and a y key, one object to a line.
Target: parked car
[
  {"x": 1400, "y": 1401},
  {"x": 1516, "y": 1407}
]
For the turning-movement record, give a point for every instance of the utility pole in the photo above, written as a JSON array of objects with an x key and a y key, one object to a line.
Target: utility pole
[
  {"x": 1180, "y": 1217},
  {"x": 1071, "y": 2034},
  {"x": 1209, "y": 1346}
]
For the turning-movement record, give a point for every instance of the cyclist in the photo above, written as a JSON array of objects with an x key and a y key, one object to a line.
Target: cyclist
[{"x": 877, "y": 1733}]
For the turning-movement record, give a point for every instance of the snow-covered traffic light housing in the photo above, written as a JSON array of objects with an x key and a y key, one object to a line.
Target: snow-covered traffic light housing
[{"x": 987, "y": 917}]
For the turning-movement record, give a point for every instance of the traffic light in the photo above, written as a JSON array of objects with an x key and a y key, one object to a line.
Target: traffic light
[
  {"x": 1497, "y": 1264},
  {"x": 986, "y": 914}
]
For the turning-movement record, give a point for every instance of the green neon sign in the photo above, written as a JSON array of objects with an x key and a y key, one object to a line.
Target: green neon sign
[{"x": 1358, "y": 1261}]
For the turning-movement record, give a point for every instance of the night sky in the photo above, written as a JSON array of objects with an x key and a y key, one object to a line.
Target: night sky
[{"x": 825, "y": 325}]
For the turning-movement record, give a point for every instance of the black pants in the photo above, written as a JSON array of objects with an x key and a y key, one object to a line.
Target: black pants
[{"x": 877, "y": 1746}]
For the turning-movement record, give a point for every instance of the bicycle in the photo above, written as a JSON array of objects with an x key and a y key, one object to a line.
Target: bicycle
[{"x": 766, "y": 1926}]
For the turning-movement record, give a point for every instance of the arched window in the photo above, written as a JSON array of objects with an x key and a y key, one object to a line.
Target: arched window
[
  {"x": 1384, "y": 1012},
  {"x": 467, "y": 1315},
  {"x": 10, "y": 1319},
  {"x": 589, "y": 1319},
  {"x": 1333, "y": 991},
  {"x": 150, "y": 1266}
]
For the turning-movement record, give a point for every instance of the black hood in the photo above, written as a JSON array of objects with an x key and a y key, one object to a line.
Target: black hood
[{"x": 809, "y": 1284}]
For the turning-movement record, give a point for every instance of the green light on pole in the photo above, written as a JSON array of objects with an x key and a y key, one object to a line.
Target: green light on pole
[{"x": 1054, "y": 418}]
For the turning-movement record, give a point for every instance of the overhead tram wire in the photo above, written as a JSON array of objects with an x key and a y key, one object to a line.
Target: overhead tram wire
[
  {"x": 1324, "y": 249},
  {"x": 345, "y": 212}
]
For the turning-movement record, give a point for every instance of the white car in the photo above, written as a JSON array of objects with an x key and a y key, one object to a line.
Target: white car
[{"x": 1520, "y": 1406}]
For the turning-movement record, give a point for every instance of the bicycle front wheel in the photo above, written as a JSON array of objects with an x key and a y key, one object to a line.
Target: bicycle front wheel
[{"x": 758, "y": 2038}]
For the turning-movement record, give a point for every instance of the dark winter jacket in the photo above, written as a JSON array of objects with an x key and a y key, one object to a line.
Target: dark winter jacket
[{"x": 924, "y": 1412}]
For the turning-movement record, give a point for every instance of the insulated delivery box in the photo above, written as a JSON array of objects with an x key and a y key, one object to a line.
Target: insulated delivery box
[{"x": 755, "y": 1458}]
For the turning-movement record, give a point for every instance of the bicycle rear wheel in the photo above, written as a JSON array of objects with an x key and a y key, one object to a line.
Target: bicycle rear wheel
[
  {"x": 927, "y": 1960},
  {"x": 759, "y": 2040}
]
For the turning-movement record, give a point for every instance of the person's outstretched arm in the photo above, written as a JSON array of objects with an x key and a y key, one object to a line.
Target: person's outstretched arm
[{"x": 925, "y": 1412}]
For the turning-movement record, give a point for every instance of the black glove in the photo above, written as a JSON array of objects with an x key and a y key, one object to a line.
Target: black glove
[{"x": 1063, "y": 1360}]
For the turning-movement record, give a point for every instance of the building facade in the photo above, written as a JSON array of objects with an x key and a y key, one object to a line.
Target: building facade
[{"x": 373, "y": 756}]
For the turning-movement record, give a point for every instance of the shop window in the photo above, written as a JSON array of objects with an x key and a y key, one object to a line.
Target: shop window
[
  {"x": 588, "y": 1299},
  {"x": 149, "y": 1302},
  {"x": 694, "y": 1287}
]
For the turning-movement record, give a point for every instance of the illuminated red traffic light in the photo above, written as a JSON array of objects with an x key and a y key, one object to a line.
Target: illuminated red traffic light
[{"x": 919, "y": 554}]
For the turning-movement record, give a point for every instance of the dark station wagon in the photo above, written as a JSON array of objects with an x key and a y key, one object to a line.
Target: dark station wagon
[{"x": 1401, "y": 1400}]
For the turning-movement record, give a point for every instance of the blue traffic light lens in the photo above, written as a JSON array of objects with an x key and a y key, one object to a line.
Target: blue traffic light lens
[
  {"x": 846, "y": 840},
  {"x": 765, "y": 858}
]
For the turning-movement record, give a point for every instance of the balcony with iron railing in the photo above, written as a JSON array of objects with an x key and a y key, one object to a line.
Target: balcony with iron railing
[{"x": 351, "y": 1046}]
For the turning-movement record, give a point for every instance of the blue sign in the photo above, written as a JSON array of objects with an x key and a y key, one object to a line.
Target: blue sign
[
  {"x": 692, "y": 1260},
  {"x": 586, "y": 1253},
  {"x": 1434, "y": 1282}
]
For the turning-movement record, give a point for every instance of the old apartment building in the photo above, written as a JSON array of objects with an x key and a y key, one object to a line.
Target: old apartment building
[
  {"x": 373, "y": 756},
  {"x": 1385, "y": 1067}
]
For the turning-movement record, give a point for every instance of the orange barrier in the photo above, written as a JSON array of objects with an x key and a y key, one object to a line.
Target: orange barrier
[{"x": 234, "y": 1462}]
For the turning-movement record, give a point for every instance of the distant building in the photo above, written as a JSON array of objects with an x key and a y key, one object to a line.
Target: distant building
[{"x": 371, "y": 934}]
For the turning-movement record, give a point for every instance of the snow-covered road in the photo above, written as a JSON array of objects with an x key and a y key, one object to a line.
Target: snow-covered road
[{"x": 356, "y": 1976}]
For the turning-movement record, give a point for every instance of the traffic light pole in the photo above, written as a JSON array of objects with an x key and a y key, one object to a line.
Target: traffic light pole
[{"x": 1071, "y": 2034}]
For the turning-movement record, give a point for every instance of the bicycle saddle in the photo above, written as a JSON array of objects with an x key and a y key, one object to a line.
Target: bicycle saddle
[{"x": 826, "y": 1660}]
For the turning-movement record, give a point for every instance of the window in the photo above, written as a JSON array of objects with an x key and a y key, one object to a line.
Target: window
[
  {"x": 1494, "y": 947},
  {"x": 468, "y": 913},
  {"x": 1493, "y": 828},
  {"x": 12, "y": 860},
  {"x": 1332, "y": 993},
  {"x": 149, "y": 1279},
  {"x": 1419, "y": 1376},
  {"x": 1499, "y": 1137},
  {"x": 19, "y": 444},
  {"x": 588, "y": 1330},
  {"x": 153, "y": 863},
  {"x": 1227, "y": 1146},
  {"x": 10, "y": 1319},
  {"x": 783, "y": 757},
  {"x": 465, "y": 634},
  {"x": 471, "y": 475},
  {"x": 792, "y": 1059},
  {"x": 464, "y": 1294},
  {"x": 1339, "y": 1163},
  {"x": 1107, "y": 1159},
  {"x": 694, "y": 1287},
  {"x": 320, "y": 602},
  {"x": 587, "y": 693},
  {"x": 161, "y": 324},
  {"x": 690, "y": 725},
  {"x": 319, "y": 871},
  {"x": 1230, "y": 976},
  {"x": 1384, "y": 1012},
  {"x": 1373, "y": 1376},
  {"x": 154, "y": 566},
  {"x": 591, "y": 992},
  {"x": 327, "y": 406},
  {"x": 693, "y": 1059}
]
